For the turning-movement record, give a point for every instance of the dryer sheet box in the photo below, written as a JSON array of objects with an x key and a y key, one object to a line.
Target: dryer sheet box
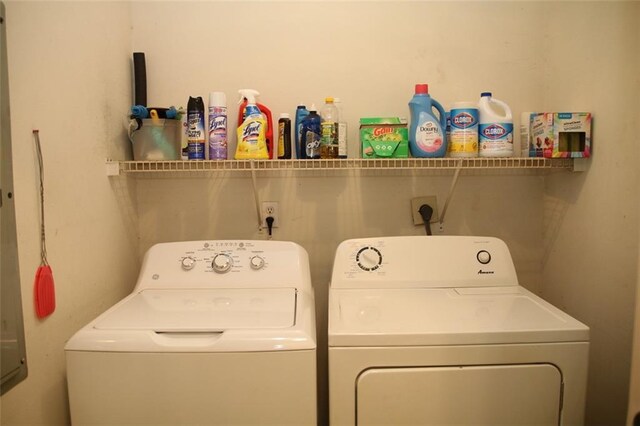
[
  {"x": 561, "y": 135},
  {"x": 384, "y": 137}
]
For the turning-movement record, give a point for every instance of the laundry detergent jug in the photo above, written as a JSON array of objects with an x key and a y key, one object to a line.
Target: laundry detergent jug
[{"x": 427, "y": 136}]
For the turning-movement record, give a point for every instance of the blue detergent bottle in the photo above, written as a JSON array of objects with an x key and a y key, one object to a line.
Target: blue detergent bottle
[
  {"x": 427, "y": 136},
  {"x": 301, "y": 114}
]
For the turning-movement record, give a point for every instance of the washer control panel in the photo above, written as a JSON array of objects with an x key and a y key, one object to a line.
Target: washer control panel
[
  {"x": 225, "y": 257},
  {"x": 225, "y": 264}
]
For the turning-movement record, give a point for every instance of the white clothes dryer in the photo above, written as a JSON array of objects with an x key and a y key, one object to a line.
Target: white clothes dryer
[
  {"x": 215, "y": 332},
  {"x": 437, "y": 331}
]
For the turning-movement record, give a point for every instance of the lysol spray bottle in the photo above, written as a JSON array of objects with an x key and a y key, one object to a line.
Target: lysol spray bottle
[
  {"x": 196, "y": 135},
  {"x": 427, "y": 136},
  {"x": 463, "y": 136},
  {"x": 301, "y": 113},
  {"x": 496, "y": 127},
  {"x": 284, "y": 136},
  {"x": 217, "y": 126}
]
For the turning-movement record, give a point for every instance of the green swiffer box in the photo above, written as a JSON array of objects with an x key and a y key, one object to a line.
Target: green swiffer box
[{"x": 384, "y": 137}]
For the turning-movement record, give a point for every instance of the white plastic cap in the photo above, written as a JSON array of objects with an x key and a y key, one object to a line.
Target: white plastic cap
[
  {"x": 284, "y": 115},
  {"x": 217, "y": 99}
]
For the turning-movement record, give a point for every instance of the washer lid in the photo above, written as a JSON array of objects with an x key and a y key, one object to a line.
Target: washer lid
[
  {"x": 202, "y": 310},
  {"x": 455, "y": 316}
]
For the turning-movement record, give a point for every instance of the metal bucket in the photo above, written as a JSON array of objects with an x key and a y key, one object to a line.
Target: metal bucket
[{"x": 156, "y": 140}]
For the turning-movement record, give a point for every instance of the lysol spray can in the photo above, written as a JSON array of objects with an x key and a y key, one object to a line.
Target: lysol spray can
[
  {"x": 463, "y": 140},
  {"x": 217, "y": 126},
  {"x": 196, "y": 135}
]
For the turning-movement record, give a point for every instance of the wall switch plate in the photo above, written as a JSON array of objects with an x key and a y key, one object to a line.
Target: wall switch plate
[
  {"x": 431, "y": 200},
  {"x": 270, "y": 208}
]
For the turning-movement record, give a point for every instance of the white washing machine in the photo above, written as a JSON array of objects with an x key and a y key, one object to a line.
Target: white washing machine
[
  {"x": 215, "y": 332},
  {"x": 436, "y": 331}
]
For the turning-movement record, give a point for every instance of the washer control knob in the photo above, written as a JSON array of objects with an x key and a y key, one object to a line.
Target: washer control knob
[
  {"x": 221, "y": 263},
  {"x": 188, "y": 263},
  {"x": 483, "y": 257},
  {"x": 256, "y": 262}
]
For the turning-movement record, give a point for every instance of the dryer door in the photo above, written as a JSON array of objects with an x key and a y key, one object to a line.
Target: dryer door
[{"x": 480, "y": 395}]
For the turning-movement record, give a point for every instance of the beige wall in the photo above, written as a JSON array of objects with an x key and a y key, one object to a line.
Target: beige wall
[
  {"x": 69, "y": 74},
  {"x": 371, "y": 59},
  {"x": 591, "y": 252}
]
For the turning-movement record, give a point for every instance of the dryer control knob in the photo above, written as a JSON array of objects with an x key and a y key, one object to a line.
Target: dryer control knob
[
  {"x": 188, "y": 263},
  {"x": 221, "y": 263},
  {"x": 483, "y": 257},
  {"x": 256, "y": 262},
  {"x": 369, "y": 258}
]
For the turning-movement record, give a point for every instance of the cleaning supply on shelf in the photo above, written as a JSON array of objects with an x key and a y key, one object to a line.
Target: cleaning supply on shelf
[
  {"x": 252, "y": 140},
  {"x": 311, "y": 134},
  {"x": 284, "y": 136},
  {"x": 196, "y": 131},
  {"x": 342, "y": 129},
  {"x": 329, "y": 116},
  {"x": 495, "y": 127},
  {"x": 463, "y": 136},
  {"x": 526, "y": 146},
  {"x": 384, "y": 137},
  {"x": 301, "y": 113},
  {"x": 562, "y": 134},
  {"x": 217, "y": 126},
  {"x": 427, "y": 136},
  {"x": 266, "y": 114}
]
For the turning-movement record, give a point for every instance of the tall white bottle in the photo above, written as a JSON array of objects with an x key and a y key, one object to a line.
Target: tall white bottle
[
  {"x": 217, "y": 126},
  {"x": 342, "y": 129},
  {"x": 330, "y": 120},
  {"x": 495, "y": 127}
]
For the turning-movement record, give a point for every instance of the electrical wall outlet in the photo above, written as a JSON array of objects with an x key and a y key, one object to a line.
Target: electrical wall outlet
[
  {"x": 432, "y": 201},
  {"x": 270, "y": 208}
]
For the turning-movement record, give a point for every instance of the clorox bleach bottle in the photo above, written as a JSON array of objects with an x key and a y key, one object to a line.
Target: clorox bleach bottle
[
  {"x": 427, "y": 136},
  {"x": 496, "y": 127}
]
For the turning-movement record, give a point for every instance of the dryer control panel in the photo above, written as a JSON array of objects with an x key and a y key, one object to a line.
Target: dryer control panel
[
  {"x": 418, "y": 261},
  {"x": 224, "y": 264}
]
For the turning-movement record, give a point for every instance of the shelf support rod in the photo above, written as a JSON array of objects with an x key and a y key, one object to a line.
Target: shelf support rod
[
  {"x": 451, "y": 190},
  {"x": 255, "y": 193}
]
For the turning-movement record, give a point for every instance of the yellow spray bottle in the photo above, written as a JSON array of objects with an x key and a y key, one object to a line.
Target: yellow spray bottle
[{"x": 252, "y": 139}]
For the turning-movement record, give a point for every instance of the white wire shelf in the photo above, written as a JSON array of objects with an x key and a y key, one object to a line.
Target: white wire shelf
[{"x": 425, "y": 164}]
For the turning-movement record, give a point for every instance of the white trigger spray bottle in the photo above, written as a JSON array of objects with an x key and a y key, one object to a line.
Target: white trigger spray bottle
[{"x": 252, "y": 139}]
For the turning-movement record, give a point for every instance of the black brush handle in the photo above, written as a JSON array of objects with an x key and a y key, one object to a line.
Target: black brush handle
[{"x": 140, "y": 77}]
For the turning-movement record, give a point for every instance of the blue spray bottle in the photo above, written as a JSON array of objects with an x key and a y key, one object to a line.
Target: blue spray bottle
[{"x": 427, "y": 136}]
